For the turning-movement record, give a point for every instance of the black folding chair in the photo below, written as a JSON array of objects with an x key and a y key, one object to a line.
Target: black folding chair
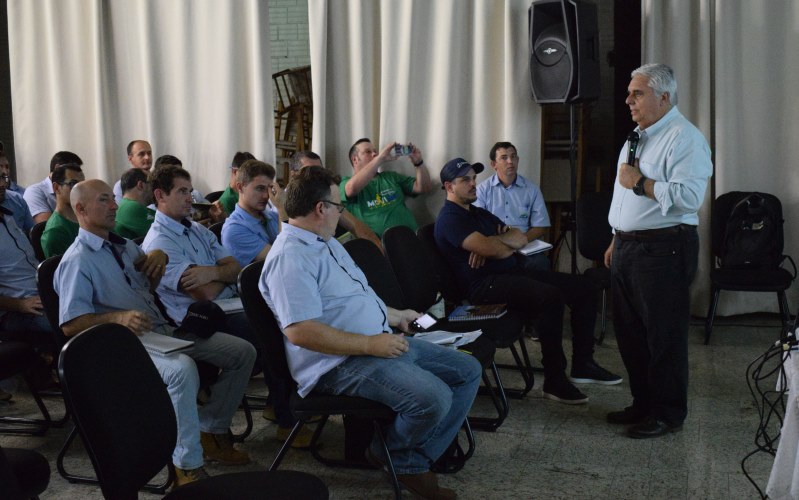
[
  {"x": 594, "y": 235},
  {"x": 109, "y": 405},
  {"x": 24, "y": 474},
  {"x": 422, "y": 272},
  {"x": 17, "y": 358},
  {"x": 381, "y": 278}
]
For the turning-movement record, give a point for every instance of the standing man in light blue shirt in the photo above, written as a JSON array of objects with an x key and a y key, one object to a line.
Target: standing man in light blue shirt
[
  {"x": 251, "y": 228},
  {"x": 338, "y": 337},
  {"x": 654, "y": 252},
  {"x": 104, "y": 278},
  {"x": 516, "y": 201}
]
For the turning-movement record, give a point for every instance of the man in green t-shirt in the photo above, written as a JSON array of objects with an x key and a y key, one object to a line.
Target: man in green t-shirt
[
  {"x": 230, "y": 197},
  {"x": 62, "y": 227},
  {"x": 133, "y": 217},
  {"x": 378, "y": 198}
]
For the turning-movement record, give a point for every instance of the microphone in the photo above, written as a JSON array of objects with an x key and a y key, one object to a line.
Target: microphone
[{"x": 633, "y": 139}]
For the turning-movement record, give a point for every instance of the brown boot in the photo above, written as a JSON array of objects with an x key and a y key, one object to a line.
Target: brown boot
[
  {"x": 219, "y": 448},
  {"x": 186, "y": 476},
  {"x": 425, "y": 485}
]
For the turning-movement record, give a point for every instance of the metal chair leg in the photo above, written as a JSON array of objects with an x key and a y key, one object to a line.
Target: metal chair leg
[{"x": 711, "y": 313}]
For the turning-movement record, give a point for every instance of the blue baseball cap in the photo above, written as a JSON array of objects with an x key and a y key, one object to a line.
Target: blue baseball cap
[{"x": 458, "y": 167}]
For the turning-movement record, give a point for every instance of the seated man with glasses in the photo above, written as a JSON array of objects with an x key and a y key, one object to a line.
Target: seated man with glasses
[
  {"x": 338, "y": 338},
  {"x": 134, "y": 217},
  {"x": 62, "y": 226}
]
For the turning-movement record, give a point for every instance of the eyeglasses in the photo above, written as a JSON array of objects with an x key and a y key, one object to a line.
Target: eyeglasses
[
  {"x": 70, "y": 184},
  {"x": 339, "y": 206}
]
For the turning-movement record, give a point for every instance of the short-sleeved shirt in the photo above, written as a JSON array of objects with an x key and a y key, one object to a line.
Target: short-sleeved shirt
[
  {"x": 520, "y": 205},
  {"x": 58, "y": 235},
  {"x": 244, "y": 235},
  {"x": 307, "y": 278},
  {"x": 196, "y": 196},
  {"x": 40, "y": 197},
  {"x": 15, "y": 203},
  {"x": 229, "y": 199},
  {"x": 381, "y": 203},
  {"x": 453, "y": 225},
  {"x": 89, "y": 280},
  {"x": 18, "y": 265},
  {"x": 133, "y": 219},
  {"x": 20, "y": 190},
  {"x": 187, "y": 244}
]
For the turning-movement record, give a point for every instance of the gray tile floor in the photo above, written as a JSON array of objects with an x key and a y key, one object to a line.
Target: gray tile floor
[{"x": 549, "y": 450}]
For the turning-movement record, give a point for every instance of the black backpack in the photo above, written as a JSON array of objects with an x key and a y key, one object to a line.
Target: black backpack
[{"x": 753, "y": 234}]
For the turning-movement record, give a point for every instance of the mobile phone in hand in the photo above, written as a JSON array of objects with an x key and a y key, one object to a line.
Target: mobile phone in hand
[{"x": 422, "y": 323}]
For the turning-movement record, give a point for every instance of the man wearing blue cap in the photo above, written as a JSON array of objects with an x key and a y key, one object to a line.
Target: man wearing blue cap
[{"x": 480, "y": 250}]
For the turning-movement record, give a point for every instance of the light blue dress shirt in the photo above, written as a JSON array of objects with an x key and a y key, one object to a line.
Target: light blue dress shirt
[
  {"x": 188, "y": 244},
  {"x": 40, "y": 197},
  {"x": 18, "y": 265},
  {"x": 675, "y": 154},
  {"x": 17, "y": 205},
  {"x": 306, "y": 278},
  {"x": 244, "y": 235},
  {"x": 520, "y": 205},
  {"x": 90, "y": 281}
]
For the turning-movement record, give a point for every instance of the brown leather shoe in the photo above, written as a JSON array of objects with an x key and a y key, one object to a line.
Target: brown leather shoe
[
  {"x": 186, "y": 476},
  {"x": 219, "y": 448},
  {"x": 425, "y": 485}
]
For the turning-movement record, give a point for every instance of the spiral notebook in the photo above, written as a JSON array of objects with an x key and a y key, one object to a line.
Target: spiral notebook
[{"x": 479, "y": 312}]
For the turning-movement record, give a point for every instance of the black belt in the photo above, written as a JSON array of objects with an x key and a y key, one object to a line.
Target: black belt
[{"x": 660, "y": 234}]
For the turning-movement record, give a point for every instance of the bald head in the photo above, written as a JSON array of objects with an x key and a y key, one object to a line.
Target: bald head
[{"x": 94, "y": 205}]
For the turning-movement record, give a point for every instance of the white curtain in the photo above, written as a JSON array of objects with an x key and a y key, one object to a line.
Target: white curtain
[
  {"x": 191, "y": 76},
  {"x": 742, "y": 99},
  {"x": 448, "y": 75}
]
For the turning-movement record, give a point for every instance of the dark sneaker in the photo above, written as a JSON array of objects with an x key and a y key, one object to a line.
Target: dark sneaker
[
  {"x": 563, "y": 391},
  {"x": 592, "y": 373},
  {"x": 627, "y": 416}
]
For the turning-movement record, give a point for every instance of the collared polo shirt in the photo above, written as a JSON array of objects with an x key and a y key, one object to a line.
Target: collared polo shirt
[
  {"x": 244, "y": 235},
  {"x": 520, "y": 205}
]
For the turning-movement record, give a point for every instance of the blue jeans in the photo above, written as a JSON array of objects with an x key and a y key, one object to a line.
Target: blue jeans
[
  {"x": 430, "y": 387},
  {"x": 32, "y": 329},
  {"x": 235, "y": 358}
]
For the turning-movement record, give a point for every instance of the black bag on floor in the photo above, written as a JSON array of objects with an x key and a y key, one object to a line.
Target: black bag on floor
[{"x": 753, "y": 234}]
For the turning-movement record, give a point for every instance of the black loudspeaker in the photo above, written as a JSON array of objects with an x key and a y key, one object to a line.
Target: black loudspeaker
[{"x": 564, "y": 51}]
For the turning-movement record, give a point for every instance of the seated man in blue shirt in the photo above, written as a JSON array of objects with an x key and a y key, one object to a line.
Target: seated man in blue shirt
[
  {"x": 200, "y": 268},
  {"x": 479, "y": 247},
  {"x": 338, "y": 337},
  {"x": 251, "y": 228},
  {"x": 516, "y": 201},
  {"x": 104, "y": 278},
  {"x": 21, "y": 312},
  {"x": 13, "y": 200}
]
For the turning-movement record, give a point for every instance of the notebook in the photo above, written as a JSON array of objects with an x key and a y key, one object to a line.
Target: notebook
[
  {"x": 231, "y": 305},
  {"x": 535, "y": 246},
  {"x": 475, "y": 313},
  {"x": 163, "y": 345}
]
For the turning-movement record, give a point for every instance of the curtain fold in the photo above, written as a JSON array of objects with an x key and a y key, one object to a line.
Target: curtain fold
[
  {"x": 450, "y": 76},
  {"x": 744, "y": 98},
  {"x": 191, "y": 76}
]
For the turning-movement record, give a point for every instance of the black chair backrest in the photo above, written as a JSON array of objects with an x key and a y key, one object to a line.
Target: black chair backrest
[
  {"x": 120, "y": 405},
  {"x": 45, "y": 274},
  {"x": 36, "y": 239},
  {"x": 213, "y": 196},
  {"x": 413, "y": 267},
  {"x": 594, "y": 233},
  {"x": 378, "y": 271},
  {"x": 216, "y": 228},
  {"x": 722, "y": 209},
  {"x": 263, "y": 322},
  {"x": 9, "y": 487},
  {"x": 447, "y": 283}
]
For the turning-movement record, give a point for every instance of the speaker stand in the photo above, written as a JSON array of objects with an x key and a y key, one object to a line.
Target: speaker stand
[{"x": 571, "y": 224}]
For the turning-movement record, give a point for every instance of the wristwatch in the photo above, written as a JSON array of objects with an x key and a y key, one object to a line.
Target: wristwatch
[
  {"x": 417, "y": 165},
  {"x": 639, "y": 187}
]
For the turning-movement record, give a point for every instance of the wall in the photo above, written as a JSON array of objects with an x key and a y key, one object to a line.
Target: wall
[{"x": 288, "y": 26}]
